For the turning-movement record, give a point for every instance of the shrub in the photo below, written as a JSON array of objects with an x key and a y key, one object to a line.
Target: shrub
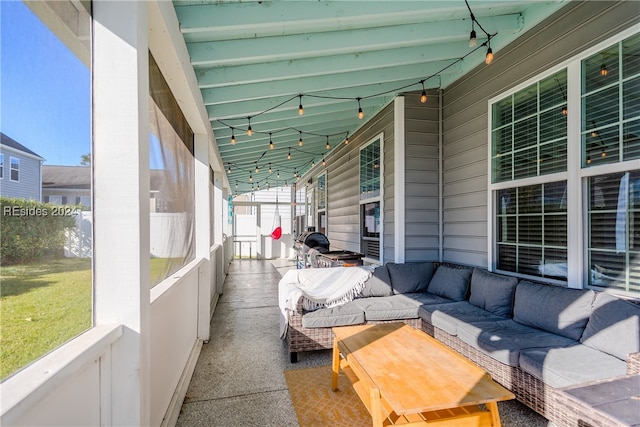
[{"x": 31, "y": 230}]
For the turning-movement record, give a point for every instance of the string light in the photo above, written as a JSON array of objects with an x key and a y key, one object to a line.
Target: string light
[
  {"x": 229, "y": 168},
  {"x": 423, "y": 99},
  {"x": 488, "y": 59},
  {"x": 603, "y": 70},
  {"x": 423, "y": 96}
]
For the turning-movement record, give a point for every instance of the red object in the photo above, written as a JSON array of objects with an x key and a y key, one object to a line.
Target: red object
[{"x": 276, "y": 233}]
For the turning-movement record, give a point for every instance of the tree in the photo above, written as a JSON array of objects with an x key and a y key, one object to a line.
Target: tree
[{"x": 85, "y": 159}]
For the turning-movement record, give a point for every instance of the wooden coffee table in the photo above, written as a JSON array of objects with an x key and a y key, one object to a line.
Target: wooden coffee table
[{"x": 404, "y": 376}]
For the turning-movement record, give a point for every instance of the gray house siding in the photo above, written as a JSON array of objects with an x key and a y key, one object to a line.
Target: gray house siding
[
  {"x": 577, "y": 26},
  {"x": 343, "y": 178},
  {"x": 29, "y": 179},
  {"x": 421, "y": 177}
]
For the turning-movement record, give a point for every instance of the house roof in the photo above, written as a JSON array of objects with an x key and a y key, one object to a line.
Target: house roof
[
  {"x": 7, "y": 141},
  {"x": 79, "y": 177}
]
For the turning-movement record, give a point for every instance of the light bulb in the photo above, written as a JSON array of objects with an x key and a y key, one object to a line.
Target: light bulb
[
  {"x": 423, "y": 97},
  {"x": 300, "y": 140},
  {"x": 324, "y": 163},
  {"x": 233, "y": 138},
  {"x": 565, "y": 111},
  {"x": 249, "y": 131},
  {"x": 603, "y": 70},
  {"x": 300, "y": 109},
  {"x": 250, "y": 178},
  {"x": 488, "y": 59},
  {"x": 360, "y": 113},
  {"x": 472, "y": 39},
  {"x": 289, "y": 154}
]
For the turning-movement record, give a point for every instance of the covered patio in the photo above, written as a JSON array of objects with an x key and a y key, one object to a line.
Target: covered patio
[{"x": 477, "y": 133}]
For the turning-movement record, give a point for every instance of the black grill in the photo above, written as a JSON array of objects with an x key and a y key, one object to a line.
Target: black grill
[{"x": 307, "y": 241}]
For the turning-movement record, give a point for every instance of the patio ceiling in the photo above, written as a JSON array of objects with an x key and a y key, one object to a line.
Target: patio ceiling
[{"x": 255, "y": 62}]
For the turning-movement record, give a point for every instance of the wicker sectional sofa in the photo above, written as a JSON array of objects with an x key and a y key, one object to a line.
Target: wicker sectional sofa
[{"x": 534, "y": 339}]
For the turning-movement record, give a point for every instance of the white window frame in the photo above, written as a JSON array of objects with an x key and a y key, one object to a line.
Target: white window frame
[
  {"x": 575, "y": 175},
  {"x": 11, "y": 168},
  {"x": 379, "y": 198},
  {"x": 316, "y": 200},
  {"x": 1, "y": 165}
]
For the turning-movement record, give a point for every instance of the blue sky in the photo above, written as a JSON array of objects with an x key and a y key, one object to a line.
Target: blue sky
[{"x": 45, "y": 89}]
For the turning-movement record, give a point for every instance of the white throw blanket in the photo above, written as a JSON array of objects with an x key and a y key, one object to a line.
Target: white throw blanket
[{"x": 319, "y": 288}]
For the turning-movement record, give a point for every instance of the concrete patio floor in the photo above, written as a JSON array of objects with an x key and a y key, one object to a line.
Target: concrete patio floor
[{"x": 239, "y": 378}]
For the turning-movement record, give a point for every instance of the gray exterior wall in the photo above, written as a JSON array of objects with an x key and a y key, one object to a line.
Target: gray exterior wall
[
  {"x": 343, "y": 177},
  {"x": 30, "y": 179},
  {"x": 421, "y": 177},
  {"x": 577, "y": 26}
]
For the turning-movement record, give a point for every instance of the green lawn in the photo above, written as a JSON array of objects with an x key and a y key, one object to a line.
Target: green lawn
[{"x": 44, "y": 305}]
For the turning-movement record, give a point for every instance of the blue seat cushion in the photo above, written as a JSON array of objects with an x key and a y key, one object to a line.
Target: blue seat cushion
[
  {"x": 555, "y": 309},
  {"x": 614, "y": 326},
  {"x": 395, "y": 307},
  {"x": 341, "y": 315},
  {"x": 566, "y": 366},
  {"x": 493, "y": 292},
  {"x": 504, "y": 339},
  {"x": 410, "y": 277},
  {"x": 449, "y": 282},
  {"x": 448, "y": 316}
]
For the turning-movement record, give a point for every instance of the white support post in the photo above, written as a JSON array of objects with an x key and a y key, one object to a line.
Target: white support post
[
  {"x": 219, "y": 215},
  {"x": 120, "y": 165},
  {"x": 399, "y": 180},
  {"x": 203, "y": 232}
]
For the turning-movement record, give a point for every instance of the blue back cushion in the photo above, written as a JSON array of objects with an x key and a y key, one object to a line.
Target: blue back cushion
[{"x": 451, "y": 283}]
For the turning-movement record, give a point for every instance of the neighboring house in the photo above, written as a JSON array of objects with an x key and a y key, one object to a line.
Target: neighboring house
[
  {"x": 20, "y": 170},
  {"x": 67, "y": 185},
  {"x": 71, "y": 185}
]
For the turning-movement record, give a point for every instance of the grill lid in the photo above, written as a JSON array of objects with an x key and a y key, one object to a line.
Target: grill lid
[{"x": 313, "y": 239}]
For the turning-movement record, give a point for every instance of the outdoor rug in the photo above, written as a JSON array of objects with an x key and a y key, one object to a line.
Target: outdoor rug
[{"x": 316, "y": 405}]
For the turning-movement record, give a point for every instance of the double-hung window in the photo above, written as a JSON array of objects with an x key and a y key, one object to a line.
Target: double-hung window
[
  {"x": 14, "y": 173},
  {"x": 610, "y": 143},
  {"x": 565, "y": 185},
  {"x": 371, "y": 199}
]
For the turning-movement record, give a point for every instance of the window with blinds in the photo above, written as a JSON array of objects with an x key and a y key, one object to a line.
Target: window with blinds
[
  {"x": 529, "y": 139},
  {"x": 611, "y": 104},
  {"x": 532, "y": 230},
  {"x": 370, "y": 199},
  {"x": 535, "y": 192},
  {"x": 529, "y": 131},
  {"x": 614, "y": 225}
]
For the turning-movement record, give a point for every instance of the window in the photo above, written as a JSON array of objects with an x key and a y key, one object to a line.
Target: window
[
  {"x": 529, "y": 131},
  {"x": 534, "y": 190},
  {"x": 611, "y": 117},
  {"x": 529, "y": 140},
  {"x": 371, "y": 199},
  {"x": 614, "y": 231},
  {"x": 610, "y": 136},
  {"x": 15, "y": 169},
  {"x": 532, "y": 229},
  {"x": 322, "y": 204},
  {"x": 37, "y": 319}
]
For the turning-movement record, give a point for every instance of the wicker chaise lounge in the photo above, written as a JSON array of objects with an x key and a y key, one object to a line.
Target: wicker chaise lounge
[{"x": 467, "y": 309}]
